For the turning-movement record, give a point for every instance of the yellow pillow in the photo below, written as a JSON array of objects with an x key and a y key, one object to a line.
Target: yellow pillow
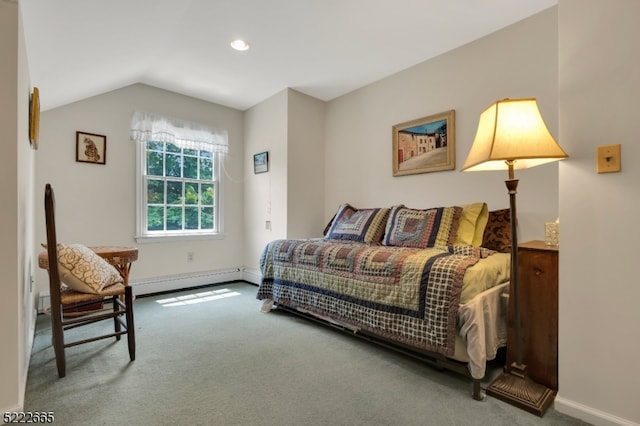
[{"x": 472, "y": 223}]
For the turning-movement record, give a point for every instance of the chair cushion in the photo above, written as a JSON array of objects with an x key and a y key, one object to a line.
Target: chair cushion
[{"x": 83, "y": 270}]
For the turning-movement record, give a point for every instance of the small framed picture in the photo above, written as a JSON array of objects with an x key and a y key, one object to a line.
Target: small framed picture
[
  {"x": 261, "y": 162},
  {"x": 91, "y": 148}
]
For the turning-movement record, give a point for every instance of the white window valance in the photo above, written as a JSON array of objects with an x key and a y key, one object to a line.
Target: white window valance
[{"x": 146, "y": 126}]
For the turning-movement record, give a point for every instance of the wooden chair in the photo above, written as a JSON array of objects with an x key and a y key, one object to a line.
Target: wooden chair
[{"x": 117, "y": 297}]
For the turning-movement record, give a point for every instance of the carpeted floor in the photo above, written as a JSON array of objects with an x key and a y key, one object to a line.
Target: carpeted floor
[{"x": 208, "y": 356}]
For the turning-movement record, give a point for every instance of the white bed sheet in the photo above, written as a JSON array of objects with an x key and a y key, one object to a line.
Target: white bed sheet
[{"x": 482, "y": 329}]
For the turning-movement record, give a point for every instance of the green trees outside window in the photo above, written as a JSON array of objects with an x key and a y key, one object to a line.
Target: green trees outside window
[{"x": 181, "y": 189}]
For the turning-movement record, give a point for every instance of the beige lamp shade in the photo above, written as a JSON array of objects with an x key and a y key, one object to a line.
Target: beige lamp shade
[{"x": 512, "y": 130}]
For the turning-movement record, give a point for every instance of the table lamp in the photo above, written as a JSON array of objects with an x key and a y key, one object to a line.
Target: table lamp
[{"x": 512, "y": 135}]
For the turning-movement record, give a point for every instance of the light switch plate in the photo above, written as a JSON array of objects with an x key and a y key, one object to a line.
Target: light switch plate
[{"x": 608, "y": 158}]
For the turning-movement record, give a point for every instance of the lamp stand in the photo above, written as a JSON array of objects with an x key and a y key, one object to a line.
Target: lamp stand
[{"x": 513, "y": 386}]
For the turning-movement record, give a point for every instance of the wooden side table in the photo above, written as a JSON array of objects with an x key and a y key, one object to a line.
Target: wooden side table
[{"x": 538, "y": 268}]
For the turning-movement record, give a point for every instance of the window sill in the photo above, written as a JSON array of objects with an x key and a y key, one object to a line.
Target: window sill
[{"x": 173, "y": 238}]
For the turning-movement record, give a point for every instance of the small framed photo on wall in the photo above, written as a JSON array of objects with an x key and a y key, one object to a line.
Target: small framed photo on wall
[
  {"x": 91, "y": 148},
  {"x": 261, "y": 162}
]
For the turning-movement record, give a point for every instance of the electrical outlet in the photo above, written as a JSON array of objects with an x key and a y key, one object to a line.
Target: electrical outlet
[
  {"x": 608, "y": 159},
  {"x": 267, "y": 225},
  {"x": 190, "y": 256}
]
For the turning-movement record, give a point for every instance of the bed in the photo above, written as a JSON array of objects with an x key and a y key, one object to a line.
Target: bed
[{"x": 427, "y": 282}]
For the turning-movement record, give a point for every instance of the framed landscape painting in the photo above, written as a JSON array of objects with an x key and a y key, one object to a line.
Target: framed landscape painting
[{"x": 425, "y": 145}]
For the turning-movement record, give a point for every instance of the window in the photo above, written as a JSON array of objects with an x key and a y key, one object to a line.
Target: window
[
  {"x": 178, "y": 181},
  {"x": 180, "y": 186}
]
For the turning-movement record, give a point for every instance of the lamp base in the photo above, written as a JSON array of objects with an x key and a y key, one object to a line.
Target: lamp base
[{"x": 515, "y": 388}]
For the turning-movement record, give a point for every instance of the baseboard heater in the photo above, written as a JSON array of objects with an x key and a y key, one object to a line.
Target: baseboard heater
[
  {"x": 183, "y": 281},
  {"x": 167, "y": 283}
]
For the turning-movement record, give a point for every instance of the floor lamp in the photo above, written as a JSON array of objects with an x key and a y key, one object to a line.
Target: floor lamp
[{"x": 512, "y": 135}]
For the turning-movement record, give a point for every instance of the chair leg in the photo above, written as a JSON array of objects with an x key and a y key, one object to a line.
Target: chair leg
[
  {"x": 116, "y": 319},
  {"x": 57, "y": 340},
  {"x": 131, "y": 333}
]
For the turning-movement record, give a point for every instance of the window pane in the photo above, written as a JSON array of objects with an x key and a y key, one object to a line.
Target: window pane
[
  {"x": 191, "y": 193},
  {"x": 207, "y": 218},
  {"x": 155, "y": 164},
  {"x": 174, "y": 218},
  {"x": 172, "y": 148},
  {"x": 206, "y": 154},
  {"x": 174, "y": 192},
  {"x": 206, "y": 197},
  {"x": 190, "y": 151},
  {"x": 155, "y": 146},
  {"x": 155, "y": 191},
  {"x": 174, "y": 165},
  {"x": 206, "y": 168},
  {"x": 190, "y": 167},
  {"x": 191, "y": 217},
  {"x": 155, "y": 218}
]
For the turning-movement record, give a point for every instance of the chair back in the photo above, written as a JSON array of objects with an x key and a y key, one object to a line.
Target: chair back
[{"x": 52, "y": 253}]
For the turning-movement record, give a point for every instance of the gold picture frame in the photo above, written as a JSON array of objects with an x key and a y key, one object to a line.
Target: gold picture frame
[
  {"x": 34, "y": 118},
  {"x": 425, "y": 145}
]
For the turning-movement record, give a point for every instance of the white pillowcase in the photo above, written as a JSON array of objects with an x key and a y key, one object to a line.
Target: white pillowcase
[{"x": 83, "y": 270}]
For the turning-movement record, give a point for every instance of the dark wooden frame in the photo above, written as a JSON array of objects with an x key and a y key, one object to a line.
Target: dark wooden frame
[
  {"x": 261, "y": 162},
  {"x": 85, "y": 142}
]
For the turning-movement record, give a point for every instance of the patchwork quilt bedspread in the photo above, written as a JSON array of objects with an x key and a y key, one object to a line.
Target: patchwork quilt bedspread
[{"x": 406, "y": 295}]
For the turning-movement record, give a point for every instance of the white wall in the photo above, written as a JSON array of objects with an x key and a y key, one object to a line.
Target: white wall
[
  {"x": 265, "y": 196},
  {"x": 290, "y": 126},
  {"x": 17, "y": 313},
  {"x": 599, "y": 341},
  {"x": 518, "y": 61},
  {"x": 95, "y": 204},
  {"x": 305, "y": 171}
]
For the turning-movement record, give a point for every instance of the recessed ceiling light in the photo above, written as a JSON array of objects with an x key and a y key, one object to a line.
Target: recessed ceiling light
[{"x": 240, "y": 44}]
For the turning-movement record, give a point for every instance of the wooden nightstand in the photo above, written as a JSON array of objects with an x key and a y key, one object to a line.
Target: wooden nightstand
[{"x": 538, "y": 268}]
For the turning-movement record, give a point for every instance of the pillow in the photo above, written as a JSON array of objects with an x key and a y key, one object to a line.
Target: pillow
[
  {"x": 497, "y": 233},
  {"x": 363, "y": 225},
  {"x": 328, "y": 226},
  {"x": 83, "y": 270},
  {"x": 422, "y": 228},
  {"x": 472, "y": 223}
]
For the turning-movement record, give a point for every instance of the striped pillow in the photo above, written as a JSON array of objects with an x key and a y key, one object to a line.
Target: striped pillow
[
  {"x": 422, "y": 228},
  {"x": 363, "y": 225}
]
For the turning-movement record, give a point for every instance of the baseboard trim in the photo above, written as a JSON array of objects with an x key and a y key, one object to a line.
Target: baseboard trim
[
  {"x": 251, "y": 275},
  {"x": 182, "y": 281},
  {"x": 589, "y": 414},
  {"x": 179, "y": 282}
]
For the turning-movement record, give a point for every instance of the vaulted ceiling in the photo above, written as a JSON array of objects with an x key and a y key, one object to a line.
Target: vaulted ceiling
[{"x": 324, "y": 48}]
